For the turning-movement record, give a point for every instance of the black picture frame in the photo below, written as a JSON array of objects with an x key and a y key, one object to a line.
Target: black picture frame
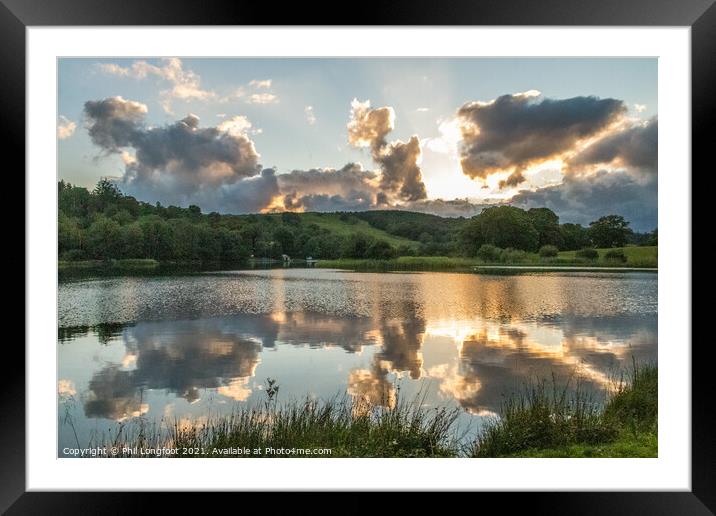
[{"x": 700, "y": 15}]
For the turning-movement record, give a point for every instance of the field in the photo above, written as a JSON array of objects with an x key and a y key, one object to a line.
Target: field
[
  {"x": 637, "y": 257},
  {"x": 335, "y": 223}
]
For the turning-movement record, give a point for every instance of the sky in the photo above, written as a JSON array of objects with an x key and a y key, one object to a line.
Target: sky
[{"x": 439, "y": 135}]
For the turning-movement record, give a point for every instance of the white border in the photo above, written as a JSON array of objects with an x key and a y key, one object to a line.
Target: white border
[{"x": 670, "y": 471}]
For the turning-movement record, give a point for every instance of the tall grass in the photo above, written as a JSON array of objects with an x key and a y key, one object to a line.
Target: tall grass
[
  {"x": 543, "y": 415},
  {"x": 544, "y": 419},
  {"x": 560, "y": 422},
  {"x": 640, "y": 259},
  {"x": 349, "y": 428}
]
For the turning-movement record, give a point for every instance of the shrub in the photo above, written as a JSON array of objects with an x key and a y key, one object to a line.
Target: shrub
[
  {"x": 73, "y": 255},
  {"x": 489, "y": 253},
  {"x": 380, "y": 250},
  {"x": 510, "y": 255},
  {"x": 615, "y": 255},
  {"x": 587, "y": 253},
  {"x": 548, "y": 251}
]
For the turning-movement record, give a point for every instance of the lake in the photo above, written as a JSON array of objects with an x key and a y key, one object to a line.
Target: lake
[{"x": 186, "y": 347}]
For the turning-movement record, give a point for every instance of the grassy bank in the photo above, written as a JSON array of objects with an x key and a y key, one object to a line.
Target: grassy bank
[
  {"x": 542, "y": 421},
  {"x": 342, "y": 426},
  {"x": 636, "y": 257},
  {"x": 126, "y": 264}
]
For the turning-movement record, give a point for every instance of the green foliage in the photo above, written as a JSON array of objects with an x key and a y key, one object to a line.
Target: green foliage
[
  {"x": 380, "y": 250},
  {"x": 609, "y": 231},
  {"x": 615, "y": 255},
  {"x": 543, "y": 416},
  {"x": 574, "y": 237},
  {"x": 549, "y": 421},
  {"x": 105, "y": 224},
  {"x": 587, "y": 254},
  {"x": 546, "y": 222},
  {"x": 512, "y": 256},
  {"x": 348, "y": 427},
  {"x": 635, "y": 402},
  {"x": 489, "y": 253},
  {"x": 103, "y": 238},
  {"x": 501, "y": 226},
  {"x": 548, "y": 251},
  {"x": 636, "y": 256}
]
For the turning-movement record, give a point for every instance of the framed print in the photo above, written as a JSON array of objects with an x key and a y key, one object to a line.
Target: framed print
[{"x": 420, "y": 252}]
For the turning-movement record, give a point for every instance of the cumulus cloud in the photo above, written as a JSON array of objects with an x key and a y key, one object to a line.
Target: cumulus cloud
[
  {"x": 368, "y": 126},
  {"x": 512, "y": 132},
  {"x": 113, "y": 123},
  {"x": 634, "y": 148},
  {"x": 65, "y": 128},
  {"x": 582, "y": 199},
  {"x": 344, "y": 189},
  {"x": 182, "y": 162},
  {"x": 262, "y": 98},
  {"x": 183, "y": 84},
  {"x": 400, "y": 173},
  {"x": 265, "y": 83}
]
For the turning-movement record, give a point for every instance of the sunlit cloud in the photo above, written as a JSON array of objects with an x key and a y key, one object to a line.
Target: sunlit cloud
[
  {"x": 65, "y": 128},
  {"x": 262, "y": 98},
  {"x": 258, "y": 84},
  {"x": 511, "y": 133},
  {"x": 238, "y": 389},
  {"x": 183, "y": 84},
  {"x": 66, "y": 388}
]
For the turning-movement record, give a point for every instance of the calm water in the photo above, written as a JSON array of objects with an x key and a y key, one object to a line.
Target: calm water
[{"x": 188, "y": 346}]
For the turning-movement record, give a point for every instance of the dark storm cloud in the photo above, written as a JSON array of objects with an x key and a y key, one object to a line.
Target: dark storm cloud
[
  {"x": 182, "y": 163},
  {"x": 114, "y": 122},
  {"x": 398, "y": 161},
  {"x": 401, "y": 173},
  {"x": 350, "y": 178},
  {"x": 635, "y": 148},
  {"x": 344, "y": 189},
  {"x": 584, "y": 199},
  {"x": 515, "y": 131}
]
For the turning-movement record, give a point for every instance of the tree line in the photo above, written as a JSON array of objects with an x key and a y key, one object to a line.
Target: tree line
[{"x": 104, "y": 223}]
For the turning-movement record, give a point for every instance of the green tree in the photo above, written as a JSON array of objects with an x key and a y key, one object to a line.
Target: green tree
[
  {"x": 159, "y": 241},
  {"x": 132, "y": 241},
  {"x": 103, "y": 238},
  {"x": 356, "y": 246},
  {"x": 380, "y": 250},
  {"x": 69, "y": 234},
  {"x": 546, "y": 222},
  {"x": 609, "y": 231},
  {"x": 74, "y": 201},
  {"x": 285, "y": 237},
  {"x": 233, "y": 248},
  {"x": 574, "y": 237},
  {"x": 501, "y": 226}
]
